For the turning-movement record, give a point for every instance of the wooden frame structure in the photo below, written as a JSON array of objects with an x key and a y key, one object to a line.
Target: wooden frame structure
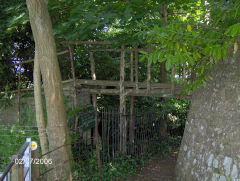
[{"x": 122, "y": 87}]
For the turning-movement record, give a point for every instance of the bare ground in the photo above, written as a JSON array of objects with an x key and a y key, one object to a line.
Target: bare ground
[{"x": 159, "y": 169}]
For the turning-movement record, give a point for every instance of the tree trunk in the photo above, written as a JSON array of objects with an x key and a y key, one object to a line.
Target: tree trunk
[
  {"x": 210, "y": 148},
  {"x": 163, "y": 79},
  {"x": 45, "y": 54},
  {"x": 39, "y": 108}
]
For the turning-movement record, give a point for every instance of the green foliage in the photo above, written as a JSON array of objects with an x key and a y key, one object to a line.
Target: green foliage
[
  {"x": 200, "y": 35},
  {"x": 12, "y": 138},
  {"x": 123, "y": 166}
]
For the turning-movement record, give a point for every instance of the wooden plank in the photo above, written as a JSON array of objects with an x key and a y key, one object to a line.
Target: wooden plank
[
  {"x": 32, "y": 60},
  {"x": 94, "y": 100},
  {"x": 131, "y": 124},
  {"x": 133, "y": 92},
  {"x": 184, "y": 73},
  {"x": 74, "y": 86},
  {"x": 35, "y": 168},
  {"x": 125, "y": 84},
  {"x": 123, "y": 128},
  {"x": 136, "y": 68},
  {"x": 88, "y": 42},
  {"x": 149, "y": 71},
  {"x": 172, "y": 79},
  {"x": 19, "y": 97}
]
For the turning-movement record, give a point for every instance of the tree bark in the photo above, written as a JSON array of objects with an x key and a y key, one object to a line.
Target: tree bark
[
  {"x": 39, "y": 108},
  {"x": 210, "y": 148},
  {"x": 45, "y": 54},
  {"x": 163, "y": 79}
]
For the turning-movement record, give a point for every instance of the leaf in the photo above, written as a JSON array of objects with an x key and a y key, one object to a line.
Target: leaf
[
  {"x": 218, "y": 53},
  {"x": 189, "y": 28},
  {"x": 168, "y": 64},
  {"x": 142, "y": 58},
  {"x": 233, "y": 30},
  {"x": 235, "y": 49}
]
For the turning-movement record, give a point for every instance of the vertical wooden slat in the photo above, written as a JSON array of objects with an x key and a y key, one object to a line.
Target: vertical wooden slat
[
  {"x": 35, "y": 168},
  {"x": 14, "y": 173},
  {"x": 131, "y": 124},
  {"x": 74, "y": 87},
  {"x": 172, "y": 79},
  {"x": 123, "y": 135},
  {"x": 94, "y": 100},
  {"x": 21, "y": 172},
  {"x": 184, "y": 73},
  {"x": 149, "y": 71},
  {"x": 19, "y": 95},
  {"x": 136, "y": 67}
]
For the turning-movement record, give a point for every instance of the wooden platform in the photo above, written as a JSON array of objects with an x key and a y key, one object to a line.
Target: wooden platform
[{"x": 109, "y": 87}]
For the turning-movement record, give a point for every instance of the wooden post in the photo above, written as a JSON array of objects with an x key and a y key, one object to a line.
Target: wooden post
[
  {"x": 74, "y": 87},
  {"x": 184, "y": 73},
  {"x": 131, "y": 125},
  {"x": 19, "y": 96},
  {"x": 172, "y": 79},
  {"x": 21, "y": 172},
  {"x": 123, "y": 128},
  {"x": 136, "y": 67},
  {"x": 14, "y": 173},
  {"x": 35, "y": 168},
  {"x": 149, "y": 72},
  {"x": 94, "y": 100}
]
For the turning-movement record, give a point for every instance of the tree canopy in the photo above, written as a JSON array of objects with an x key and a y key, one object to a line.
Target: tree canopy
[{"x": 197, "y": 33}]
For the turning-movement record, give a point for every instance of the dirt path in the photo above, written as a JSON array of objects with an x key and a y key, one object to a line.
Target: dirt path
[{"x": 159, "y": 169}]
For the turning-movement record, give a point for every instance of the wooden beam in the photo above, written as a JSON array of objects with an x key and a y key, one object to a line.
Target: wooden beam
[
  {"x": 132, "y": 92},
  {"x": 88, "y": 42},
  {"x": 136, "y": 68},
  {"x": 115, "y": 83},
  {"x": 111, "y": 50},
  {"x": 32, "y": 60}
]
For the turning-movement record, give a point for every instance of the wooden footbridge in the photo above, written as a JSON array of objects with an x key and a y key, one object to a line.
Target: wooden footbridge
[
  {"x": 122, "y": 87},
  {"x": 109, "y": 87}
]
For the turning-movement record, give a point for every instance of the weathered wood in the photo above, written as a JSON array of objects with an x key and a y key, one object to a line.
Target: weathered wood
[
  {"x": 112, "y": 50},
  {"x": 184, "y": 73},
  {"x": 94, "y": 100},
  {"x": 35, "y": 168},
  {"x": 32, "y": 60},
  {"x": 88, "y": 42},
  {"x": 136, "y": 68},
  {"x": 21, "y": 172},
  {"x": 164, "y": 12},
  {"x": 123, "y": 130},
  {"x": 74, "y": 86},
  {"x": 14, "y": 173},
  {"x": 141, "y": 85},
  {"x": 19, "y": 96},
  {"x": 172, "y": 79},
  {"x": 149, "y": 72},
  {"x": 131, "y": 124},
  {"x": 132, "y": 92}
]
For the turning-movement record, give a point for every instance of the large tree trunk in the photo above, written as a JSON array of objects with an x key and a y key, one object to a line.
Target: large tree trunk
[
  {"x": 210, "y": 147},
  {"x": 45, "y": 54}
]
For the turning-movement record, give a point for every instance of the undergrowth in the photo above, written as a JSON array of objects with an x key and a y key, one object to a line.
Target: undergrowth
[{"x": 123, "y": 166}]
